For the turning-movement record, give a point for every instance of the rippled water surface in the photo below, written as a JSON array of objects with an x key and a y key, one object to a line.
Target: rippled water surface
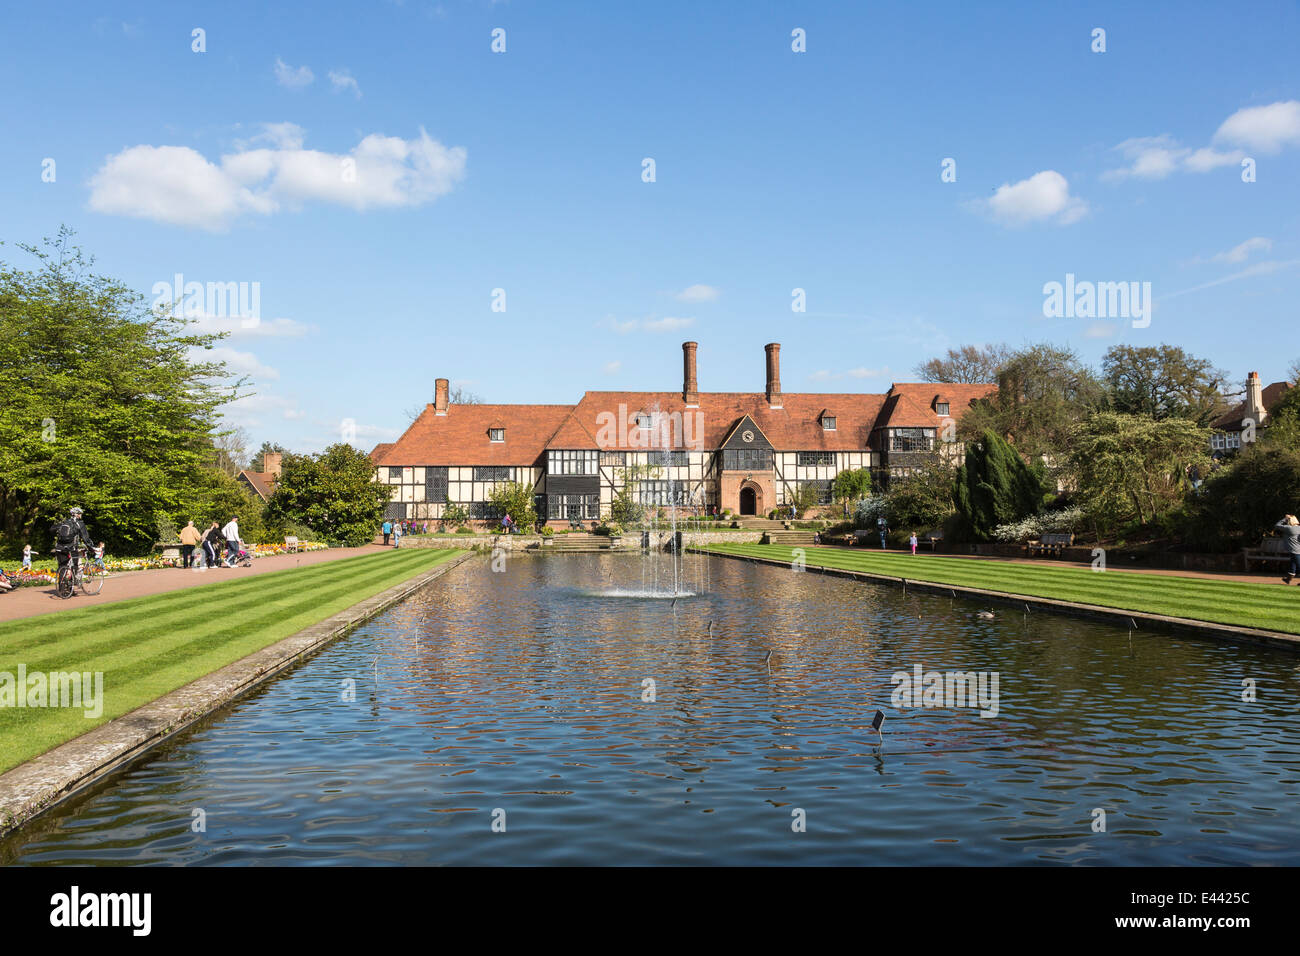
[{"x": 517, "y": 697}]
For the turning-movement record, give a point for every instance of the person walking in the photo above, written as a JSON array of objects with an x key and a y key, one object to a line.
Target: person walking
[
  {"x": 883, "y": 527},
  {"x": 388, "y": 530},
  {"x": 231, "y": 533},
  {"x": 27, "y": 557},
  {"x": 1290, "y": 528},
  {"x": 190, "y": 536},
  {"x": 912, "y": 542},
  {"x": 397, "y": 535},
  {"x": 211, "y": 542}
]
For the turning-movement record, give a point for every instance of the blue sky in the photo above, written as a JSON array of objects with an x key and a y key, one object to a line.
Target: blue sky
[{"x": 774, "y": 170}]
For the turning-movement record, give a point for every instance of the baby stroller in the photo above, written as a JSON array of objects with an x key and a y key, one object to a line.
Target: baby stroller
[{"x": 239, "y": 558}]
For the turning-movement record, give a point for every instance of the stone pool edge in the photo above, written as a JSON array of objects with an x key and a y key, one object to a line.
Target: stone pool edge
[
  {"x": 33, "y": 787},
  {"x": 1110, "y": 615}
]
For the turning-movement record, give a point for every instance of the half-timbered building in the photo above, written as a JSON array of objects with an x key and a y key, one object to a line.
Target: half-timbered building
[{"x": 744, "y": 451}]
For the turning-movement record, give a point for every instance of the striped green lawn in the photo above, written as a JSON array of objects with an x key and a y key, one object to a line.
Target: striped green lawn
[
  {"x": 1264, "y": 603},
  {"x": 149, "y": 646}
]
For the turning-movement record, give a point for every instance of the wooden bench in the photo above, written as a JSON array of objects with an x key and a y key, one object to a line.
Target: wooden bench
[
  {"x": 1050, "y": 544},
  {"x": 291, "y": 543},
  {"x": 1270, "y": 549},
  {"x": 932, "y": 538}
]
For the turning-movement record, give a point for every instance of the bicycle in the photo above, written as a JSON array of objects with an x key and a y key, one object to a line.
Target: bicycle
[{"x": 75, "y": 574}]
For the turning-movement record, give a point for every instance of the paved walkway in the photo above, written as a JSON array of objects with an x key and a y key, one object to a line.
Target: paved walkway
[
  {"x": 30, "y": 601},
  {"x": 1267, "y": 577}
]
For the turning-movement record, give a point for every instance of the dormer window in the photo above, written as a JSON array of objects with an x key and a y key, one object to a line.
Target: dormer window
[
  {"x": 643, "y": 420},
  {"x": 828, "y": 423},
  {"x": 941, "y": 409},
  {"x": 496, "y": 434}
]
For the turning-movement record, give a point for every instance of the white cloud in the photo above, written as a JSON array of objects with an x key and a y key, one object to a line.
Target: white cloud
[
  {"x": 177, "y": 185},
  {"x": 1156, "y": 157},
  {"x": 1266, "y": 129},
  {"x": 241, "y": 363},
  {"x": 266, "y": 328},
  {"x": 826, "y": 375},
  {"x": 1101, "y": 330},
  {"x": 1042, "y": 197},
  {"x": 1241, "y": 253},
  {"x": 1267, "y": 267},
  {"x": 665, "y": 324},
  {"x": 343, "y": 80},
  {"x": 293, "y": 78},
  {"x": 612, "y": 367},
  {"x": 697, "y": 293}
]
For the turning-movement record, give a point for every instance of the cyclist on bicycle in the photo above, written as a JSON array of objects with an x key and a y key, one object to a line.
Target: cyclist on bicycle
[{"x": 68, "y": 534}]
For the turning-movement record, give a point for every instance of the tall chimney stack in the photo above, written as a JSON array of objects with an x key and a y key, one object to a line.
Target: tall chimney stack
[
  {"x": 1255, "y": 410},
  {"x": 773, "y": 374},
  {"x": 440, "y": 397},
  {"x": 690, "y": 386},
  {"x": 271, "y": 463}
]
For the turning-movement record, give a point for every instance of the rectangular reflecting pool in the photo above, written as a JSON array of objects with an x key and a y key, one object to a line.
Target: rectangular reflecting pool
[{"x": 553, "y": 713}]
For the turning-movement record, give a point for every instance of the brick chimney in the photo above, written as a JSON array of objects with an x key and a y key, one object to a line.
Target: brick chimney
[
  {"x": 690, "y": 386},
  {"x": 1255, "y": 400},
  {"x": 773, "y": 374},
  {"x": 271, "y": 463},
  {"x": 440, "y": 396}
]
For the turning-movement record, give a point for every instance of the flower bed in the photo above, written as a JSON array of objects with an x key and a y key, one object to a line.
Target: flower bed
[{"x": 153, "y": 562}]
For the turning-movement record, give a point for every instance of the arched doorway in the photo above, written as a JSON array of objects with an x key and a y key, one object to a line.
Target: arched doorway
[{"x": 748, "y": 501}]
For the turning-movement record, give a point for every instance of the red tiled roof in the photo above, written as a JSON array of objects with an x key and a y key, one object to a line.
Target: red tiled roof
[
  {"x": 377, "y": 454},
  {"x": 461, "y": 436},
  {"x": 262, "y": 482},
  {"x": 1232, "y": 420},
  {"x": 608, "y": 420}
]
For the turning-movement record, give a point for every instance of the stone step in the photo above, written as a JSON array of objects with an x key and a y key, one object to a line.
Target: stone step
[{"x": 788, "y": 538}]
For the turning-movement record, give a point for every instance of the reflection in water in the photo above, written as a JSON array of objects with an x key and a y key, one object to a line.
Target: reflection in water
[{"x": 523, "y": 691}]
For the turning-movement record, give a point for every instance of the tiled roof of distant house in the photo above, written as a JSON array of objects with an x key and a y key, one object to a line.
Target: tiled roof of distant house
[
  {"x": 1234, "y": 419},
  {"x": 607, "y": 420},
  {"x": 461, "y": 436},
  {"x": 261, "y": 483}
]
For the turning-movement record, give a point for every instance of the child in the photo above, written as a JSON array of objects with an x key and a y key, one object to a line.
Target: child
[
  {"x": 99, "y": 554},
  {"x": 27, "y": 557},
  {"x": 912, "y": 542}
]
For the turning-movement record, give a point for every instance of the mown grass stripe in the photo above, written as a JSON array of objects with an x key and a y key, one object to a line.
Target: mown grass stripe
[
  {"x": 1242, "y": 603},
  {"x": 170, "y": 608},
  {"x": 144, "y": 657}
]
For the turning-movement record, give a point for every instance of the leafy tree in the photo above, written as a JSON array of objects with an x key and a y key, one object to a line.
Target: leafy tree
[
  {"x": 1132, "y": 467},
  {"x": 922, "y": 499},
  {"x": 970, "y": 364},
  {"x": 851, "y": 484},
  {"x": 454, "y": 515},
  {"x": 804, "y": 497},
  {"x": 335, "y": 494},
  {"x": 105, "y": 404},
  {"x": 994, "y": 486},
  {"x": 259, "y": 460},
  {"x": 625, "y": 510},
  {"x": 1043, "y": 390},
  {"x": 230, "y": 451},
  {"x": 515, "y": 499},
  {"x": 1240, "y": 502},
  {"x": 218, "y": 497},
  {"x": 1162, "y": 381},
  {"x": 1284, "y": 422}
]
